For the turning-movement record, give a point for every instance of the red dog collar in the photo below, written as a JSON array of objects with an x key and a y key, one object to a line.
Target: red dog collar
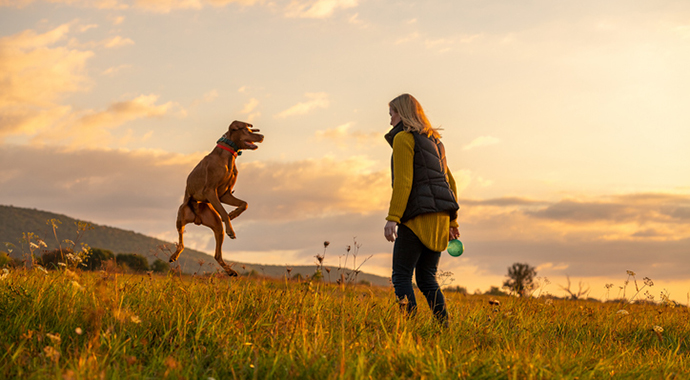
[{"x": 234, "y": 153}]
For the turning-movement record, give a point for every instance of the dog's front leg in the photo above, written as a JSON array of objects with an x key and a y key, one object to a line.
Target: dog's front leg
[{"x": 240, "y": 205}]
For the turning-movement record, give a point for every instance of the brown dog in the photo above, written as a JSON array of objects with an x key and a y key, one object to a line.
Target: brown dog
[{"x": 210, "y": 183}]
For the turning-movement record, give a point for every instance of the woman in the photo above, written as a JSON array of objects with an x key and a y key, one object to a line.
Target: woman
[{"x": 423, "y": 206}]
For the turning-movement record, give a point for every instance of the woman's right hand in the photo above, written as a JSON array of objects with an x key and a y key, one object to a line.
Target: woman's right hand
[{"x": 389, "y": 231}]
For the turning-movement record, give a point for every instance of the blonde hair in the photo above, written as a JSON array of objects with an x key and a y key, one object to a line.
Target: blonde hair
[{"x": 412, "y": 115}]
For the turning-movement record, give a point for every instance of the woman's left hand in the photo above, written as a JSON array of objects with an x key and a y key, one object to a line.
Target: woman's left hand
[{"x": 454, "y": 233}]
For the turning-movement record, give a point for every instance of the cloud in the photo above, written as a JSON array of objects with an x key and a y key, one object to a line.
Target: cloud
[
  {"x": 250, "y": 106},
  {"x": 313, "y": 188},
  {"x": 410, "y": 37},
  {"x": 317, "y": 100},
  {"x": 124, "y": 181},
  {"x": 98, "y": 4},
  {"x": 206, "y": 98},
  {"x": 30, "y": 72},
  {"x": 93, "y": 127},
  {"x": 440, "y": 44},
  {"x": 117, "y": 41},
  {"x": 295, "y": 206},
  {"x": 35, "y": 74},
  {"x": 114, "y": 70},
  {"x": 342, "y": 133},
  {"x": 501, "y": 202},
  {"x": 355, "y": 20},
  {"x": 317, "y": 8},
  {"x": 158, "y": 6},
  {"x": 481, "y": 141}
]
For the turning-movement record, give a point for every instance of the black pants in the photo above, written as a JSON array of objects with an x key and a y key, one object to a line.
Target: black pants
[{"x": 411, "y": 255}]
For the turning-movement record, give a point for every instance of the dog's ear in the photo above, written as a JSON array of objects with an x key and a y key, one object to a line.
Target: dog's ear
[{"x": 237, "y": 125}]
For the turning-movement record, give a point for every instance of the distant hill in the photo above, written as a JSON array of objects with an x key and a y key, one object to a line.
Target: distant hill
[{"x": 15, "y": 221}]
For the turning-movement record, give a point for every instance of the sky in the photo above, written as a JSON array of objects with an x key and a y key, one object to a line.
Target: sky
[{"x": 565, "y": 125}]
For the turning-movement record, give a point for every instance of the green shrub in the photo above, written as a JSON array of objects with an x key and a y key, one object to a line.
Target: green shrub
[
  {"x": 160, "y": 266},
  {"x": 6, "y": 260},
  {"x": 97, "y": 257},
  {"x": 133, "y": 261},
  {"x": 52, "y": 259}
]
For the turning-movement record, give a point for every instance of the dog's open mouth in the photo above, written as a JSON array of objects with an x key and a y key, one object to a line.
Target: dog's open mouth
[{"x": 250, "y": 145}]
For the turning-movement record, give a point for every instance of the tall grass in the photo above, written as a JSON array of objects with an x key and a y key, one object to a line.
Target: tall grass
[{"x": 82, "y": 325}]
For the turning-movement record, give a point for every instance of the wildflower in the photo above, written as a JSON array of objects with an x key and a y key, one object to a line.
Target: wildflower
[
  {"x": 62, "y": 264},
  {"x": 172, "y": 365},
  {"x": 658, "y": 329},
  {"x": 51, "y": 353},
  {"x": 135, "y": 319},
  {"x": 326, "y": 244},
  {"x": 630, "y": 273},
  {"x": 41, "y": 268},
  {"x": 71, "y": 274},
  {"x": 79, "y": 331},
  {"x": 77, "y": 286},
  {"x": 319, "y": 258},
  {"x": 5, "y": 273},
  {"x": 648, "y": 281},
  {"x": 622, "y": 312},
  {"x": 33, "y": 245},
  {"x": 55, "y": 338},
  {"x": 608, "y": 286}
]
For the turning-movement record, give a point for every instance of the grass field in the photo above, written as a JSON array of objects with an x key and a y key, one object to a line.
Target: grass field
[{"x": 68, "y": 324}]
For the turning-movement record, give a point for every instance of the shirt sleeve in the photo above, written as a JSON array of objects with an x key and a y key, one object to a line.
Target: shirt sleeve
[
  {"x": 451, "y": 182},
  {"x": 403, "y": 172}
]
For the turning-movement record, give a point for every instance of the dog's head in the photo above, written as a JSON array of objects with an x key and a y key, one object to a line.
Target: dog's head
[{"x": 244, "y": 135}]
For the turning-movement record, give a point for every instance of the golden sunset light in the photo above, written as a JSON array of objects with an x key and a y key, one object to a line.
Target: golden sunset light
[{"x": 565, "y": 124}]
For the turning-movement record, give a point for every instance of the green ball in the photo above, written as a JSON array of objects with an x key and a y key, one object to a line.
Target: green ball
[{"x": 455, "y": 248}]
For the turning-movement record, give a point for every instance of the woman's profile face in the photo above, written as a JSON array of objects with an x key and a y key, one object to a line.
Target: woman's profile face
[{"x": 395, "y": 118}]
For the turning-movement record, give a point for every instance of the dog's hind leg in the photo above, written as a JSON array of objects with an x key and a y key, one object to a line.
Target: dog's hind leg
[
  {"x": 218, "y": 207},
  {"x": 185, "y": 215},
  {"x": 210, "y": 218}
]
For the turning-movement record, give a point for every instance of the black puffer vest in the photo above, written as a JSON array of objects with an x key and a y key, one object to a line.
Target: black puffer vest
[{"x": 430, "y": 189}]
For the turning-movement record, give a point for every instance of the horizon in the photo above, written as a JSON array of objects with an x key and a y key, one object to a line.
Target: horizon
[{"x": 564, "y": 125}]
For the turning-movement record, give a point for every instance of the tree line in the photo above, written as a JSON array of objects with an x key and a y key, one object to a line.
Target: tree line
[{"x": 94, "y": 260}]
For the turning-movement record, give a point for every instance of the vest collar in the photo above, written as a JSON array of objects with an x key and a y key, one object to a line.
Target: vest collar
[{"x": 394, "y": 131}]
